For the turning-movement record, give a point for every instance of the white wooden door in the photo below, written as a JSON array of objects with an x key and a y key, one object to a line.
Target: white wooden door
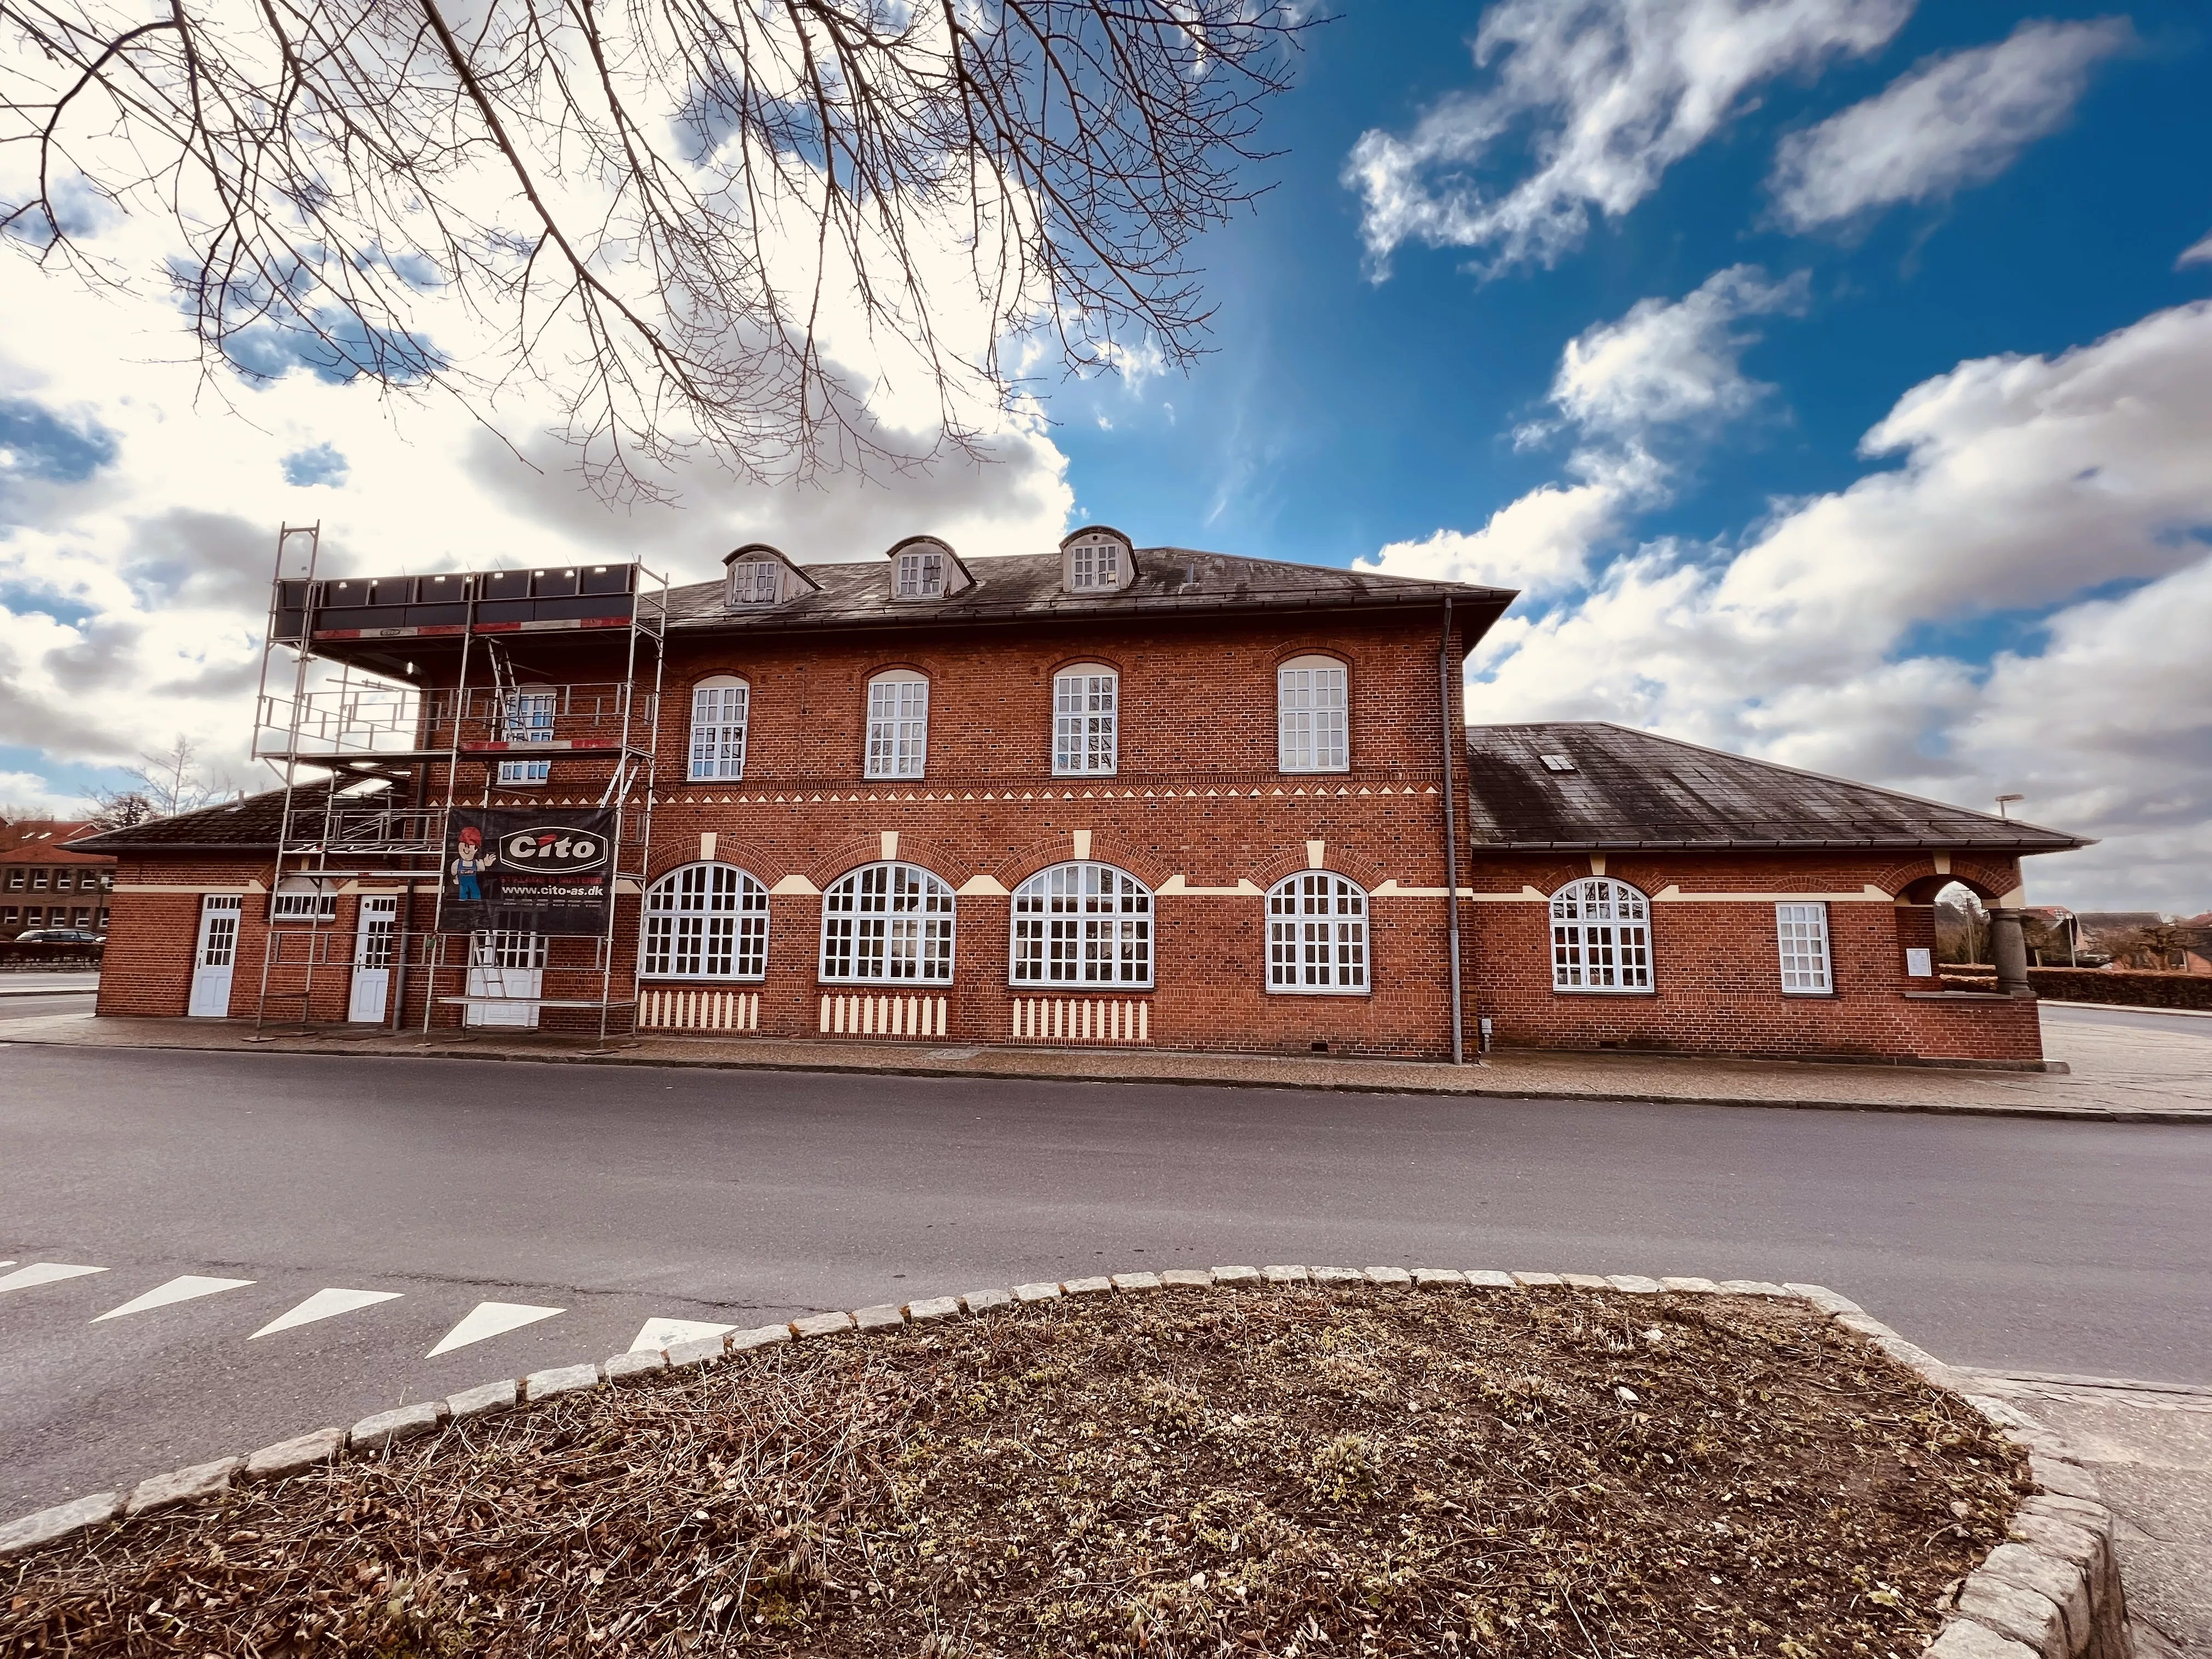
[
  {"x": 371, "y": 960},
  {"x": 215, "y": 957},
  {"x": 506, "y": 965}
]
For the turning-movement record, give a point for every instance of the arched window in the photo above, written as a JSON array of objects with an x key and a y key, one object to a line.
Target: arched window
[
  {"x": 1311, "y": 716},
  {"x": 1317, "y": 934},
  {"x": 1086, "y": 720},
  {"x": 720, "y": 709},
  {"x": 887, "y": 924},
  {"x": 898, "y": 724},
  {"x": 1083, "y": 924},
  {"x": 1601, "y": 937},
  {"x": 705, "y": 921}
]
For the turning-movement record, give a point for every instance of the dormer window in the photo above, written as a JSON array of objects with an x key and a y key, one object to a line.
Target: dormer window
[
  {"x": 759, "y": 574},
  {"x": 755, "y": 581},
  {"x": 1096, "y": 561},
  {"x": 921, "y": 574},
  {"x": 924, "y": 568}
]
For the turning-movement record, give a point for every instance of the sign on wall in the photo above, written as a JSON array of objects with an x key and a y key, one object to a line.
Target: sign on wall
[{"x": 527, "y": 871}]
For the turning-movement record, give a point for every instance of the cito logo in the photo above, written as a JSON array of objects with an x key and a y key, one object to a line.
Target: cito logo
[{"x": 552, "y": 849}]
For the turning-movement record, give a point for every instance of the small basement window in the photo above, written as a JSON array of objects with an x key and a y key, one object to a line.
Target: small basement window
[{"x": 1557, "y": 762}]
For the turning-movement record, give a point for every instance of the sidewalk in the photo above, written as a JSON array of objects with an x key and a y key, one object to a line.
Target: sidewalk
[
  {"x": 48, "y": 985},
  {"x": 2150, "y": 1447},
  {"x": 2118, "y": 1075}
]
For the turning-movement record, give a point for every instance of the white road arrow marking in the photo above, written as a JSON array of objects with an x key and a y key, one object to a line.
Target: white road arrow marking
[
  {"x": 183, "y": 1288},
  {"x": 663, "y": 1333},
  {"x": 43, "y": 1273},
  {"x": 325, "y": 1304},
  {"x": 491, "y": 1319}
]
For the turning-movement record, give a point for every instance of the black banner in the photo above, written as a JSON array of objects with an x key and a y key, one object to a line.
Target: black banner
[{"x": 519, "y": 870}]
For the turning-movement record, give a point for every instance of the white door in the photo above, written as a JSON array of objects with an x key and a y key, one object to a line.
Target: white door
[
  {"x": 215, "y": 957},
  {"x": 371, "y": 960},
  {"x": 506, "y": 965}
]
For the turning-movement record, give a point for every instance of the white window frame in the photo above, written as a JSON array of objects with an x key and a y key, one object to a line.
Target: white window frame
[
  {"x": 707, "y": 920},
  {"x": 1800, "y": 940},
  {"x": 304, "y": 899},
  {"x": 1086, "y": 721},
  {"x": 1081, "y": 927},
  {"x": 888, "y": 924},
  {"x": 1600, "y": 934},
  {"x": 721, "y": 708},
  {"x": 898, "y": 724},
  {"x": 1313, "y": 715},
  {"x": 1319, "y": 941},
  {"x": 1094, "y": 563},
  {"x": 923, "y": 573},
  {"x": 755, "y": 581},
  {"x": 527, "y": 716}
]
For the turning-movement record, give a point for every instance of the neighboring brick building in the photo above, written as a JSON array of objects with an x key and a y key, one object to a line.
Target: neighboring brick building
[
  {"x": 44, "y": 882},
  {"x": 1138, "y": 797}
]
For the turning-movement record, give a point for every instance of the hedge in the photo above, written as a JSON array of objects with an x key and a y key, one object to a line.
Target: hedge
[
  {"x": 13, "y": 953},
  {"x": 2125, "y": 987}
]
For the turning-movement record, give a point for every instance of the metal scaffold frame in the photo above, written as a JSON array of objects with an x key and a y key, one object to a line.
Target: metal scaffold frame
[{"x": 371, "y": 766}]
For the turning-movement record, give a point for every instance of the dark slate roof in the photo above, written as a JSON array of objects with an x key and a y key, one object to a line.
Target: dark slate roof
[
  {"x": 1169, "y": 581},
  {"x": 240, "y": 826},
  {"x": 1637, "y": 789}
]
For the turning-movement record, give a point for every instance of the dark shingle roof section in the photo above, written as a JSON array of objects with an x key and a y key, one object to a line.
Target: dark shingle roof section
[
  {"x": 1632, "y": 789},
  {"x": 1170, "y": 580},
  {"x": 240, "y": 826}
]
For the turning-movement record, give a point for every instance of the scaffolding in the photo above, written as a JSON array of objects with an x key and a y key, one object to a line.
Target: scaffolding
[{"x": 408, "y": 698}]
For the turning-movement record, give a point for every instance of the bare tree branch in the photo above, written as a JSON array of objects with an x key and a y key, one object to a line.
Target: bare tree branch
[{"x": 687, "y": 219}]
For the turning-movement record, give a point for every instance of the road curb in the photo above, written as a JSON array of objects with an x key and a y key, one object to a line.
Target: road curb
[
  {"x": 830, "y": 1067},
  {"x": 2050, "y": 1591}
]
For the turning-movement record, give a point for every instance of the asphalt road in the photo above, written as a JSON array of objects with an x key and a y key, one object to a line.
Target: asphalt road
[
  {"x": 40, "y": 1006},
  {"x": 618, "y": 1195}
]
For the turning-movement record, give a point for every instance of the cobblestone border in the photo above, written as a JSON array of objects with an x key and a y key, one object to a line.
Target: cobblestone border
[{"x": 2050, "y": 1591}]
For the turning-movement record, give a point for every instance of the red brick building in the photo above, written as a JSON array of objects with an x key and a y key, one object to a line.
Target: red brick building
[
  {"x": 1107, "y": 795},
  {"x": 46, "y": 883}
]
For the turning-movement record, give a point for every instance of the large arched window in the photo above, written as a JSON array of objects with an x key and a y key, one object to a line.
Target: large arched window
[
  {"x": 887, "y": 924},
  {"x": 1317, "y": 934},
  {"x": 719, "y": 709},
  {"x": 898, "y": 724},
  {"x": 1601, "y": 937},
  {"x": 705, "y": 921},
  {"x": 1312, "y": 716},
  {"x": 1083, "y": 924}
]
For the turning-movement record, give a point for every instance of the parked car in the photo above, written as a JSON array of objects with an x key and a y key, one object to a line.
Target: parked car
[{"x": 61, "y": 936}]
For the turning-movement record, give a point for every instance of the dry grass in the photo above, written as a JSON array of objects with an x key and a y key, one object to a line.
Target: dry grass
[{"x": 1281, "y": 1472}]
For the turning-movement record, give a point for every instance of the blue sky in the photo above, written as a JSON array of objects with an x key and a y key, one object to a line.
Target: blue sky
[
  {"x": 1834, "y": 376},
  {"x": 1341, "y": 413}
]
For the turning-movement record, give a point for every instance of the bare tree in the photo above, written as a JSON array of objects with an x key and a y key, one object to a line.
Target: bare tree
[
  {"x": 121, "y": 809},
  {"x": 2152, "y": 944},
  {"x": 1962, "y": 926},
  {"x": 660, "y": 210},
  {"x": 169, "y": 782}
]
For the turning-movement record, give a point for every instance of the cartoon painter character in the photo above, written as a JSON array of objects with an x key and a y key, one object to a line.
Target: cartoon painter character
[{"x": 473, "y": 861}]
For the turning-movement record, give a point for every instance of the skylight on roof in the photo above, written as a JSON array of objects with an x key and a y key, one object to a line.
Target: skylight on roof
[{"x": 1557, "y": 762}]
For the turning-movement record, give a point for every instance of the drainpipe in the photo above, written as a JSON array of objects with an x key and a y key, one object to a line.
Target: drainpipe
[{"x": 1445, "y": 668}]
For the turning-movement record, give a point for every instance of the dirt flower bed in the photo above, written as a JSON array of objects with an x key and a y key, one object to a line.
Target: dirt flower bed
[{"x": 1294, "y": 1471}]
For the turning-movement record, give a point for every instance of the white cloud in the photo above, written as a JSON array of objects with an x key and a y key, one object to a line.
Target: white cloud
[
  {"x": 139, "y": 503},
  {"x": 2198, "y": 252},
  {"x": 1955, "y": 121},
  {"x": 1670, "y": 363},
  {"x": 1625, "y": 388},
  {"x": 2026, "y": 484},
  {"x": 1605, "y": 96}
]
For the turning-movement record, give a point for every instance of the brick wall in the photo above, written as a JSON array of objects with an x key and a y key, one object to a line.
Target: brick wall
[
  {"x": 1715, "y": 964},
  {"x": 1196, "y": 804}
]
